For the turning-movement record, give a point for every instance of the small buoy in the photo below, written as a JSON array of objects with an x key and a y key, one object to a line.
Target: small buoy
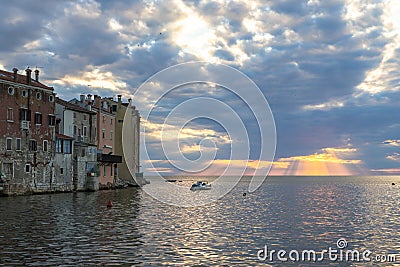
[
  {"x": 244, "y": 194},
  {"x": 109, "y": 204},
  {"x": 393, "y": 184}
]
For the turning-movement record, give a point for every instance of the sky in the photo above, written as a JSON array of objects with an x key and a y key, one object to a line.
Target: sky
[{"x": 329, "y": 70}]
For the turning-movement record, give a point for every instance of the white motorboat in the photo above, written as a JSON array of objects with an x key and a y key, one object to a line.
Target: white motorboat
[{"x": 200, "y": 186}]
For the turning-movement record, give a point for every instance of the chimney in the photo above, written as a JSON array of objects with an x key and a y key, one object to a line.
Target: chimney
[
  {"x": 15, "y": 70},
  {"x": 89, "y": 99},
  {"x": 37, "y": 75},
  {"x": 28, "y": 75},
  {"x": 119, "y": 102},
  {"x": 82, "y": 98},
  {"x": 97, "y": 101}
]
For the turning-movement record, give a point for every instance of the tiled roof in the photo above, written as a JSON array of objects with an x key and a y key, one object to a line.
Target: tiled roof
[
  {"x": 63, "y": 136},
  {"x": 21, "y": 79},
  {"x": 71, "y": 106}
]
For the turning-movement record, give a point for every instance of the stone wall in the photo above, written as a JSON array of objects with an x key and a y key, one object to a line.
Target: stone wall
[{"x": 26, "y": 139}]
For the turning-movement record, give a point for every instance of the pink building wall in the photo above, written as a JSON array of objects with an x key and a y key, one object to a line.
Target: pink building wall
[{"x": 105, "y": 139}]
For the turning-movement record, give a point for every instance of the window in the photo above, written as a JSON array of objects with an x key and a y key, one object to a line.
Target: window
[
  {"x": 10, "y": 115},
  {"x": 9, "y": 144},
  {"x": 25, "y": 114},
  {"x": 32, "y": 145},
  {"x": 83, "y": 152},
  {"x": 74, "y": 115},
  {"x": 45, "y": 145},
  {"x": 11, "y": 90},
  {"x": 104, "y": 118},
  {"x": 24, "y": 93},
  {"x": 84, "y": 131},
  {"x": 38, "y": 118},
  {"x": 111, "y": 170},
  {"x": 75, "y": 129},
  {"x": 61, "y": 170},
  {"x": 84, "y": 117},
  {"x": 67, "y": 147},
  {"x": 103, "y": 133},
  {"x": 38, "y": 96},
  {"x": 111, "y": 135},
  {"x": 27, "y": 168},
  {"x": 51, "y": 98},
  {"x": 104, "y": 170},
  {"x": 18, "y": 144},
  {"x": 59, "y": 146},
  {"x": 111, "y": 121},
  {"x": 52, "y": 120},
  {"x": 114, "y": 108},
  {"x": 79, "y": 132}
]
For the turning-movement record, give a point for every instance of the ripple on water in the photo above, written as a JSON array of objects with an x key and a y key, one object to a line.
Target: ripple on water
[{"x": 309, "y": 213}]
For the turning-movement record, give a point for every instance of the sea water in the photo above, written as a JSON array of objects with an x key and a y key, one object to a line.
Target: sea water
[{"x": 287, "y": 214}]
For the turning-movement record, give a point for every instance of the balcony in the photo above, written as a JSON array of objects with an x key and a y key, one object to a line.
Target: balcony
[
  {"x": 106, "y": 158},
  {"x": 83, "y": 139}
]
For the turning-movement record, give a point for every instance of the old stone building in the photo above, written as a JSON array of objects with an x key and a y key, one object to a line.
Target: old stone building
[
  {"x": 27, "y": 134},
  {"x": 50, "y": 145},
  {"x": 129, "y": 168},
  {"x": 107, "y": 159},
  {"x": 105, "y": 142},
  {"x": 63, "y": 160},
  {"x": 79, "y": 124}
]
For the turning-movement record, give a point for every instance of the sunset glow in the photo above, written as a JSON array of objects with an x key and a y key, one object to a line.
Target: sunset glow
[{"x": 329, "y": 161}]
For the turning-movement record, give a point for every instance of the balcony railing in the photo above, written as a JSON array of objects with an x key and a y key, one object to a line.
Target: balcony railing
[
  {"x": 106, "y": 158},
  {"x": 24, "y": 125}
]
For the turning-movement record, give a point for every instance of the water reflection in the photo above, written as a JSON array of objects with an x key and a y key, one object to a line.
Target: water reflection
[
  {"x": 70, "y": 228},
  {"x": 286, "y": 213}
]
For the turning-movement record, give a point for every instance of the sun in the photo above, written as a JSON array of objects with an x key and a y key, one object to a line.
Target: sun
[{"x": 195, "y": 36}]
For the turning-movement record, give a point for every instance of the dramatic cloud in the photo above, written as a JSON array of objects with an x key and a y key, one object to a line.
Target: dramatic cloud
[{"x": 329, "y": 69}]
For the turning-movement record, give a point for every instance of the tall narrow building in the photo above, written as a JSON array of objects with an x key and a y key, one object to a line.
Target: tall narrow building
[
  {"x": 77, "y": 124},
  {"x": 107, "y": 159},
  {"x": 129, "y": 143}
]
